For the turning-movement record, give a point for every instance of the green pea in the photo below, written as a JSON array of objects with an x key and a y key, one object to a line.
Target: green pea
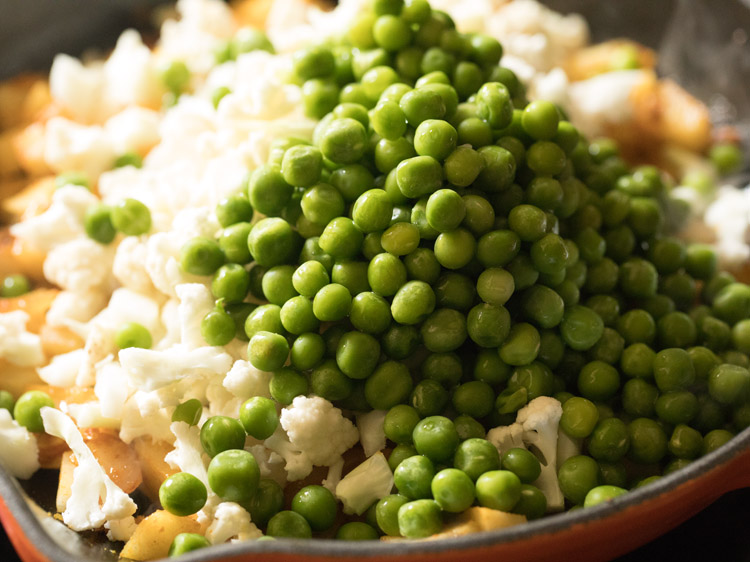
[
  {"x": 182, "y": 494},
  {"x": 498, "y": 489},
  {"x": 221, "y": 433},
  {"x": 258, "y": 417}
]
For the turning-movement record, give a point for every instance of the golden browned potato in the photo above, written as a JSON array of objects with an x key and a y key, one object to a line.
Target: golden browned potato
[
  {"x": 15, "y": 257},
  {"x": 118, "y": 459},
  {"x": 617, "y": 54},
  {"x": 35, "y": 303},
  {"x": 154, "y": 535},
  {"x": 154, "y": 468},
  {"x": 477, "y": 519},
  {"x": 57, "y": 340},
  {"x": 30, "y": 201},
  {"x": 65, "y": 482}
]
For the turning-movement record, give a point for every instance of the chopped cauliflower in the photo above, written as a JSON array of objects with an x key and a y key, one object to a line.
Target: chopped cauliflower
[
  {"x": 94, "y": 498},
  {"x": 196, "y": 301},
  {"x": 318, "y": 429},
  {"x": 60, "y": 223},
  {"x": 506, "y": 437},
  {"x": 365, "y": 484},
  {"x": 245, "y": 381},
  {"x": 371, "y": 432},
  {"x": 187, "y": 454},
  {"x": 18, "y": 346},
  {"x": 129, "y": 265},
  {"x": 149, "y": 369},
  {"x": 77, "y": 88},
  {"x": 19, "y": 453},
  {"x": 296, "y": 463},
  {"x": 231, "y": 521},
  {"x": 80, "y": 265},
  {"x": 63, "y": 369},
  {"x": 73, "y": 309},
  {"x": 71, "y": 146}
]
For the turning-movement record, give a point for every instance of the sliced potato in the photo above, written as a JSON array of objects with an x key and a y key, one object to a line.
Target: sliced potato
[
  {"x": 51, "y": 450},
  {"x": 57, "y": 340},
  {"x": 117, "y": 459},
  {"x": 28, "y": 147},
  {"x": 617, "y": 54},
  {"x": 35, "y": 303},
  {"x": 154, "y": 468},
  {"x": 477, "y": 519},
  {"x": 154, "y": 535},
  {"x": 16, "y": 379},
  {"x": 32, "y": 200},
  {"x": 65, "y": 482}
]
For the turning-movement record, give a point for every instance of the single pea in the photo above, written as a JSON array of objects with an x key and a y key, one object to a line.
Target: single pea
[
  {"x": 386, "y": 512},
  {"x": 522, "y": 463},
  {"x": 357, "y": 354},
  {"x": 577, "y": 475},
  {"x": 453, "y": 490},
  {"x": 499, "y": 169},
  {"x": 455, "y": 249},
  {"x": 445, "y": 210},
  {"x": 462, "y": 166},
  {"x": 648, "y": 442},
  {"x": 233, "y": 242},
  {"x": 429, "y": 398},
  {"x": 322, "y": 203},
  {"x": 187, "y": 542},
  {"x": 309, "y": 278},
  {"x": 341, "y": 238},
  {"x": 602, "y": 494},
  {"x": 444, "y": 330},
  {"x": 413, "y": 477},
  {"x": 435, "y": 138},
  {"x": 610, "y": 441},
  {"x": 231, "y": 283},
  {"x": 521, "y": 346},
  {"x": 201, "y": 256},
  {"x": 332, "y": 303},
  {"x": 372, "y": 211},
  {"x": 131, "y": 217},
  {"x": 542, "y": 306},
  {"x": 74, "y": 178},
  {"x": 685, "y": 442},
  {"x": 390, "y": 384},
  {"x": 498, "y": 489},
  {"x": 98, "y": 224},
  {"x": 258, "y": 417},
  {"x": 579, "y": 417},
  {"x": 475, "y": 456},
  {"x": 422, "y": 265},
  {"x": 729, "y": 384},
  {"x": 218, "y": 327},
  {"x": 598, "y": 381},
  {"x": 473, "y": 398},
  {"x": 673, "y": 369},
  {"x": 289, "y": 524},
  {"x": 234, "y": 209},
  {"x": 639, "y": 398},
  {"x": 400, "y": 238},
  {"x": 494, "y": 104},
  {"x": 356, "y": 531},
  {"x": 532, "y": 504},
  {"x": 221, "y": 433},
  {"x": 175, "y": 76},
  {"x": 132, "y": 334},
  {"x": 498, "y": 247},
  {"x": 182, "y": 494},
  {"x": 14, "y": 286},
  {"x": 581, "y": 327},
  {"x": 234, "y": 475},
  {"x": 540, "y": 120},
  {"x": 436, "y": 438},
  {"x": 419, "y": 518},
  {"x": 489, "y": 326},
  {"x": 267, "y": 351},
  {"x": 715, "y": 439},
  {"x": 27, "y": 409},
  {"x": 317, "y": 505}
]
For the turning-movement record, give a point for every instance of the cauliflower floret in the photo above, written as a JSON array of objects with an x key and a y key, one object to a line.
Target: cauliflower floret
[
  {"x": 135, "y": 129},
  {"x": 318, "y": 429},
  {"x": 74, "y": 309},
  {"x": 63, "y": 369},
  {"x": 272, "y": 468},
  {"x": 77, "y": 88},
  {"x": 18, "y": 346},
  {"x": 89, "y": 414},
  {"x": 131, "y": 76},
  {"x": 296, "y": 463},
  {"x": 94, "y": 498},
  {"x": 536, "y": 428},
  {"x": 366, "y": 484},
  {"x": 506, "y": 437},
  {"x": 60, "y": 223},
  {"x": 148, "y": 369},
  {"x": 79, "y": 265},
  {"x": 70, "y": 146},
  {"x": 333, "y": 477},
  {"x": 143, "y": 414},
  {"x": 109, "y": 388},
  {"x": 540, "y": 419},
  {"x": 231, "y": 521},
  {"x": 245, "y": 381},
  {"x": 129, "y": 266},
  {"x": 371, "y": 432},
  {"x": 196, "y": 301},
  {"x": 187, "y": 454},
  {"x": 19, "y": 453}
]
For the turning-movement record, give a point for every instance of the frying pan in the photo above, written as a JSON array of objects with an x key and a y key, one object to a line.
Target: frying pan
[{"x": 690, "y": 34}]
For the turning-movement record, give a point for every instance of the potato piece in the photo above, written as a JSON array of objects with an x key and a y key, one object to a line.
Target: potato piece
[
  {"x": 252, "y": 13},
  {"x": 65, "y": 482},
  {"x": 28, "y": 147},
  {"x": 664, "y": 111},
  {"x": 117, "y": 458},
  {"x": 51, "y": 450},
  {"x": 477, "y": 519},
  {"x": 617, "y": 54},
  {"x": 15, "y": 258},
  {"x": 16, "y": 379},
  {"x": 57, "y": 340},
  {"x": 154, "y": 535},
  {"x": 35, "y": 303},
  {"x": 21, "y": 98},
  {"x": 9, "y": 164},
  {"x": 31, "y": 201},
  {"x": 154, "y": 468}
]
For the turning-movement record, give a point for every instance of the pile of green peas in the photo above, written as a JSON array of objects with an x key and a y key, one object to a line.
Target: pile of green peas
[{"x": 445, "y": 251}]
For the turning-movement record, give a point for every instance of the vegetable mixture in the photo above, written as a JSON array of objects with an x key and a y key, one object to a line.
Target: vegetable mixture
[{"x": 432, "y": 299}]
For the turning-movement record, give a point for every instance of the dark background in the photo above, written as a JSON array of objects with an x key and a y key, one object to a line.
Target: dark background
[{"x": 703, "y": 44}]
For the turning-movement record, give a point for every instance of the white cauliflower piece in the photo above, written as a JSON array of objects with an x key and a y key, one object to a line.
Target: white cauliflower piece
[
  {"x": 371, "y": 432},
  {"x": 94, "y": 498},
  {"x": 540, "y": 419},
  {"x": 19, "y": 454},
  {"x": 333, "y": 477},
  {"x": 187, "y": 454},
  {"x": 89, "y": 414},
  {"x": 149, "y": 369},
  {"x": 245, "y": 381},
  {"x": 143, "y": 414},
  {"x": 318, "y": 429},
  {"x": 79, "y": 265},
  {"x": 271, "y": 464},
  {"x": 221, "y": 402},
  {"x": 18, "y": 346},
  {"x": 506, "y": 437},
  {"x": 135, "y": 129},
  {"x": 129, "y": 265},
  {"x": 70, "y": 146},
  {"x": 120, "y": 529},
  {"x": 110, "y": 388},
  {"x": 365, "y": 484},
  {"x": 196, "y": 301},
  {"x": 74, "y": 309},
  {"x": 296, "y": 462},
  {"x": 170, "y": 319},
  {"x": 77, "y": 88},
  {"x": 60, "y": 223},
  {"x": 130, "y": 74},
  {"x": 231, "y": 521},
  {"x": 63, "y": 369}
]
